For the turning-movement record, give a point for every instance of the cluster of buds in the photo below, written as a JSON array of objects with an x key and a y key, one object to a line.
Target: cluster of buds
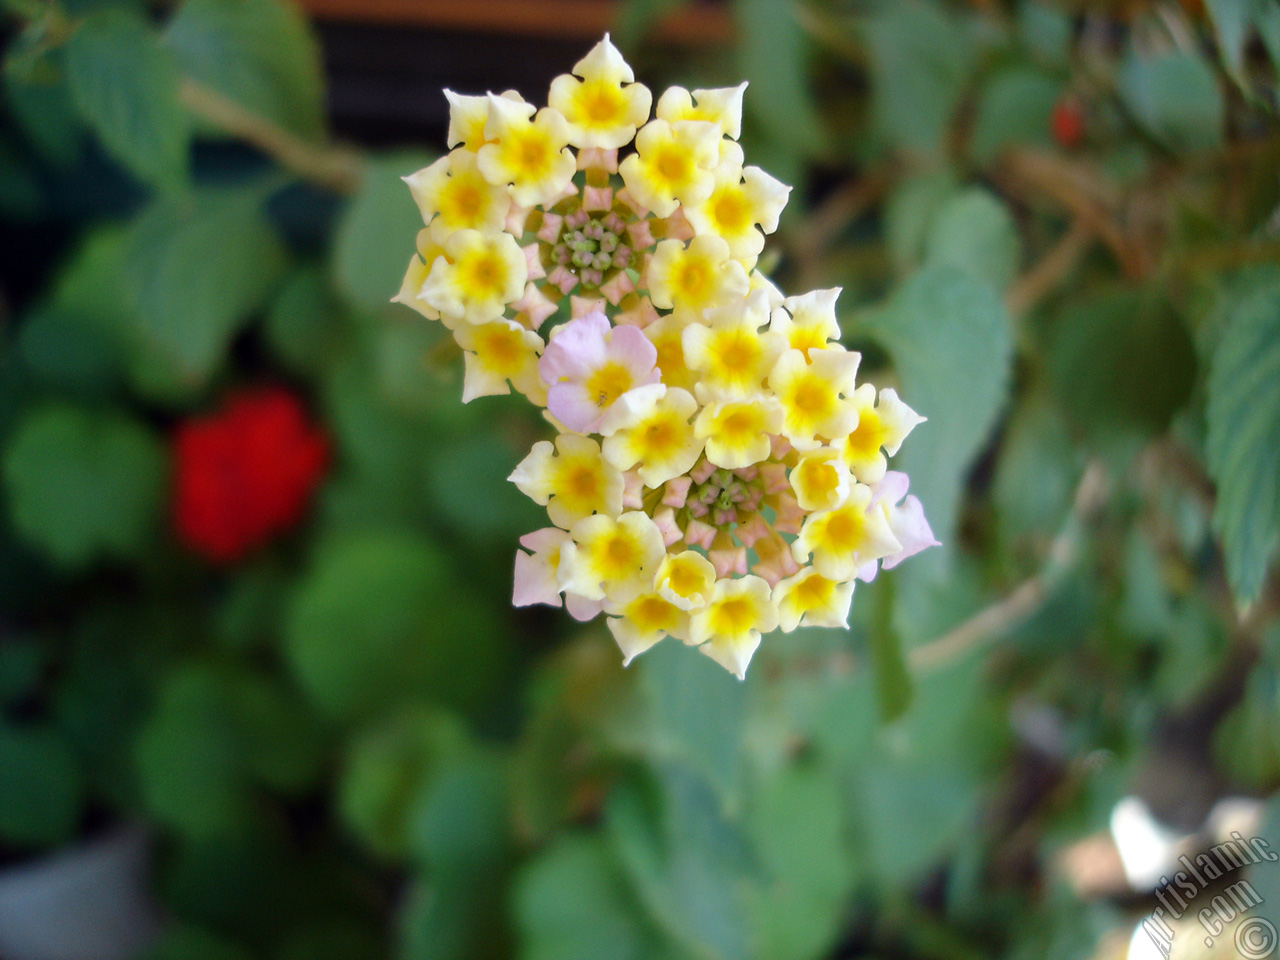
[{"x": 718, "y": 472}]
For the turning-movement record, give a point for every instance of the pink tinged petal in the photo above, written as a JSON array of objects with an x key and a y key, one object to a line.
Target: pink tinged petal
[
  {"x": 698, "y": 508},
  {"x": 665, "y": 518},
  {"x": 574, "y": 406},
  {"x": 909, "y": 525},
  {"x": 535, "y": 582},
  {"x": 677, "y": 491},
  {"x": 575, "y": 350},
  {"x": 516, "y": 216},
  {"x": 699, "y": 534},
  {"x": 540, "y": 541},
  {"x": 581, "y": 306},
  {"x": 533, "y": 262},
  {"x": 597, "y": 198},
  {"x": 618, "y": 287},
  {"x": 624, "y": 197},
  {"x": 790, "y": 515},
  {"x": 780, "y": 447},
  {"x": 773, "y": 476},
  {"x": 641, "y": 236},
  {"x": 777, "y": 568},
  {"x": 728, "y": 560},
  {"x": 598, "y": 158},
  {"x": 679, "y": 228},
  {"x": 549, "y": 232},
  {"x": 751, "y": 531},
  {"x": 632, "y": 491},
  {"x": 748, "y": 474},
  {"x": 562, "y": 279},
  {"x": 636, "y": 352},
  {"x": 639, "y": 316},
  {"x": 582, "y": 609},
  {"x": 702, "y": 471},
  {"x": 891, "y": 488},
  {"x": 867, "y": 572}
]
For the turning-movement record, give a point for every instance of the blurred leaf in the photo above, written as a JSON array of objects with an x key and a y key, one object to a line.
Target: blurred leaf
[
  {"x": 1035, "y": 475},
  {"x": 1015, "y": 107},
  {"x": 197, "y": 271},
  {"x": 259, "y": 53},
  {"x": 1233, "y": 23},
  {"x": 383, "y": 616},
  {"x": 281, "y": 741},
  {"x": 1120, "y": 363},
  {"x": 126, "y": 87},
  {"x": 571, "y": 903},
  {"x": 22, "y": 660},
  {"x": 1045, "y": 30},
  {"x": 949, "y": 338},
  {"x": 892, "y": 678},
  {"x": 690, "y": 865},
  {"x": 84, "y": 485},
  {"x": 69, "y": 353},
  {"x": 774, "y": 54},
  {"x": 921, "y": 58},
  {"x": 909, "y": 211},
  {"x": 637, "y": 18},
  {"x": 45, "y": 114},
  {"x": 1244, "y": 431},
  {"x": 41, "y": 791},
  {"x": 186, "y": 942},
  {"x": 387, "y": 769},
  {"x": 20, "y": 193},
  {"x": 306, "y": 326},
  {"x": 1175, "y": 97},
  {"x": 974, "y": 232},
  {"x": 797, "y": 825},
  {"x": 375, "y": 237}
]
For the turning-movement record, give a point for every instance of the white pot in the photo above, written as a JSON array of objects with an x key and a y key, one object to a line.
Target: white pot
[{"x": 88, "y": 902}]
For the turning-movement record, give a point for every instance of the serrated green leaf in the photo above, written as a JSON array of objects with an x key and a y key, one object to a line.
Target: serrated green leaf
[
  {"x": 921, "y": 57},
  {"x": 84, "y": 485},
  {"x": 126, "y": 88},
  {"x": 948, "y": 335},
  {"x": 259, "y": 53},
  {"x": 1244, "y": 431},
  {"x": 1175, "y": 97},
  {"x": 375, "y": 236},
  {"x": 197, "y": 272},
  {"x": 974, "y": 232}
]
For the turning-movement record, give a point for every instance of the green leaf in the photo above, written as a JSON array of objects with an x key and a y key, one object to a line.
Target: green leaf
[
  {"x": 259, "y": 53},
  {"x": 1045, "y": 30},
  {"x": 921, "y": 58},
  {"x": 1244, "y": 431},
  {"x": 948, "y": 335},
  {"x": 909, "y": 211},
  {"x": 186, "y": 942},
  {"x": 1037, "y": 470},
  {"x": 774, "y": 54},
  {"x": 975, "y": 232},
  {"x": 1175, "y": 97},
  {"x": 43, "y": 110},
  {"x": 1015, "y": 107},
  {"x": 1233, "y": 23},
  {"x": 84, "y": 485},
  {"x": 41, "y": 791},
  {"x": 306, "y": 325},
  {"x": 387, "y": 769},
  {"x": 375, "y": 238},
  {"x": 383, "y": 616},
  {"x": 571, "y": 903},
  {"x": 197, "y": 272},
  {"x": 126, "y": 87},
  {"x": 70, "y": 354},
  {"x": 892, "y": 678}
]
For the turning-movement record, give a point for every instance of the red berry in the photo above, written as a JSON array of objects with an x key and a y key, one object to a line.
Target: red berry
[
  {"x": 1067, "y": 123},
  {"x": 245, "y": 473}
]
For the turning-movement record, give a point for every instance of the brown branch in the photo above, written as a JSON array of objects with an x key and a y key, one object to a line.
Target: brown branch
[
  {"x": 1052, "y": 269},
  {"x": 336, "y": 168},
  {"x": 996, "y": 620}
]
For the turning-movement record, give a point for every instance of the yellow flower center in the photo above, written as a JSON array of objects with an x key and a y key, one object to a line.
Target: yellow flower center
[
  {"x": 738, "y": 352},
  {"x": 483, "y": 272},
  {"x": 844, "y": 530},
  {"x": 602, "y": 103},
  {"x": 463, "y": 201},
  {"x": 814, "y": 592},
  {"x": 501, "y": 348},
  {"x": 659, "y": 436},
  {"x": 739, "y": 425},
  {"x": 865, "y": 442},
  {"x": 731, "y": 211},
  {"x": 618, "y": 557},
  {"x": 683, "y": 580},
  {"x": 653, "y": 613},
  {"x": 819, "y": 477},
  {"x": 733, "y": 616},
  {"x": 533, "y": 154},
  {"x": 609, "y": 382},
  {"x": 672, "y": 165},
  {"x": 694, "y": 281},
  {"x": 812, "y": 397},
  {"x": 582, "y": 482}
]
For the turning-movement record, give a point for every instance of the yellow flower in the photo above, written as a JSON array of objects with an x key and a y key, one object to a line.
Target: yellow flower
[
  {"x": 737, "y": 431},
  {"x": 613, "y": 559},
  {"x": 605, "y": 107},
  {"x": 732, "y": 353},
  {"x": 739, "y": 201},
  {"x": 882, "y": 423},
  {"x": 497, "y": 352},
  {"x": 672, "y": 164},
  {"x": 452, "y": 196},
  {"x": 808, "y": 322},
  {"x": 814, "y": 394},
  {"x": 820, "y": 479},
  {"x": 410, "y": 293},
  {"x": 478, "y": 276},
  {"x": 721, "y": 106},
  {"x": 640, "y": 623},
  {"x": 650, "y": 426},
  {"x": 697, "y": 277},
  {"x": 572, "y": 480},
  {"x": 843, "y": 539},
  {"x": 528, "y": 152},
  {"x": 686, "y": 579},
  {"x": 667, "y": 336},
  {"x": 729, "y": 627},
  {"x": 809, "y": 599}
]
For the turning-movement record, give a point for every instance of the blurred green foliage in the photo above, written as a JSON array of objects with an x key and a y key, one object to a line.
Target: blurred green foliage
[{"x": 1056, "y": 229}]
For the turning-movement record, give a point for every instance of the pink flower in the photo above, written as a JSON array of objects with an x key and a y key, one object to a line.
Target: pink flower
[
  {"x": 588, "y": 364},
  {"x": 906, "y": 520}
]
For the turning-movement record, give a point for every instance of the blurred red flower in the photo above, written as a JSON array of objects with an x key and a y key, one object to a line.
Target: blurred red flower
[
  {"x": 1067, "y": 123},
  {"x": 245, "y": 473}
]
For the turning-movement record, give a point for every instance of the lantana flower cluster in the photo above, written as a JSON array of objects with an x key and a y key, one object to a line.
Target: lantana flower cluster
[{"x": 718, "y": 472}]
